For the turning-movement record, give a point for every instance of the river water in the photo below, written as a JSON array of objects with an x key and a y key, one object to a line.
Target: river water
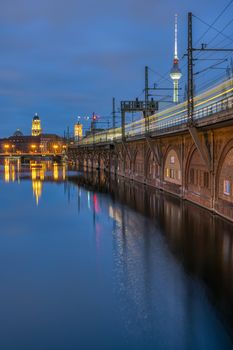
[{"x": 92, "y": 262}]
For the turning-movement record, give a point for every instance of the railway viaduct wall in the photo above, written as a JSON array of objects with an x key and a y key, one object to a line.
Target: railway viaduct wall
[{"x": 174, "y": 162}]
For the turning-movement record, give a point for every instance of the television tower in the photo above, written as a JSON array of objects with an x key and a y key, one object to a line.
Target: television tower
[{"x": 175, "y": 73}]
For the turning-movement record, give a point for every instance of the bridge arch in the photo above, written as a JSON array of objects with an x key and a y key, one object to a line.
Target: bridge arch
[
  {"x": 89, "y": 161},
  {"x": 198, "y": 180},
  {"x": 152, "y": 168},
  {"x": 95, "y": 160},
  {"x": 120, "y": 162},
  {"x": 224, "y": 174},
  {"x": 172, "y": 166},
  {"x": 139, "y": 164},
  {"x": 197, "y": 176},
  {"x": 113, "y": 162},
  {"x": 79, "y": 161}
]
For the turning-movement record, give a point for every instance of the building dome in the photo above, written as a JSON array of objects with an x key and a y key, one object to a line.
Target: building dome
[
  {"x": 18, "y": 133},
  {"x": 36, "y": 117}
]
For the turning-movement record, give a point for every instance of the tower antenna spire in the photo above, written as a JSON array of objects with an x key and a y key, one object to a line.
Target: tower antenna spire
[
  {"x": 175, "y": 73},
  {"x": 176, "y": 37}
]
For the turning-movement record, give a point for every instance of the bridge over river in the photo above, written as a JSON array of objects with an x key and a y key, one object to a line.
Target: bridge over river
[
  {"x": 27, "y": 156},
  {"x": 192, "y": 159}
]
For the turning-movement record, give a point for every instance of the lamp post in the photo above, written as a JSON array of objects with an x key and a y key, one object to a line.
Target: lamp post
[
  {"x": 6, "y": 147},
  {"x": 55, "y": 147},
  {"x": 33, "y": 147}
]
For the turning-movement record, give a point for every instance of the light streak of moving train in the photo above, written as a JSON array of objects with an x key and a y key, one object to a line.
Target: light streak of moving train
[{"x": 214, "y": 100}]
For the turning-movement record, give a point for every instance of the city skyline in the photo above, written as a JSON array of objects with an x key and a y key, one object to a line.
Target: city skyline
[{"x": 64, "y": 61}]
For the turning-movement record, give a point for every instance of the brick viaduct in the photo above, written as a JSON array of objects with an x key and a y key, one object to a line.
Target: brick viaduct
[{"x": 196, "y": 165}]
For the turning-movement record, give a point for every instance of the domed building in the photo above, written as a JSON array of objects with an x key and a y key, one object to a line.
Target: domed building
[
  {"x": 18, "y": 133},
  {"x": 36, "y": 126},
  {"x": 36, "y": 143}
]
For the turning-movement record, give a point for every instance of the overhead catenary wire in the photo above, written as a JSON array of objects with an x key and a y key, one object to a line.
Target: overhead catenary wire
[{"x": 215, "y": 21}]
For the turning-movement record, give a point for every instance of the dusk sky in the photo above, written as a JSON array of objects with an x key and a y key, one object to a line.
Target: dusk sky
[{"x": 63, "y": 58}]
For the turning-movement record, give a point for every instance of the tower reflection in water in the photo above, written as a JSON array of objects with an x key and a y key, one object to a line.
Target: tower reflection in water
[
  {"x": 9, "y": 171},
  {"x": 37, "y": 171},
  {"x": 37, "y": 176}
]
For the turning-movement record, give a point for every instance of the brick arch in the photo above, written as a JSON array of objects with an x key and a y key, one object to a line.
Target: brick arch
[
  {"x": 119, "y": 155},
  {"x": 114, "y": 160},
  {"x": 120, "y": 162},
  {"x": 85, "y": 162},
  {"x": 197, "y": 179},
  {"x": 128, "y": 163},
  {"x": 187, "y": 164},
  {"x": 172, "y": 171},
  {"x": 89, "y": 160},
  {"x": 95, "y": 159},
  {"x": 134, "y": 158},
  {"x": 224, "y": 173},
  {"x": 138, "y": 164},
  {"x": 80, "y": 161},
  {"x": 152, "y": 167},
  {"x": 103, "y": 161},
  {"x": 196, "y": 172}
]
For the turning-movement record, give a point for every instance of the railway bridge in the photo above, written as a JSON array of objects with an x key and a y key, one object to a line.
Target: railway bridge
[{"x": 192, "y": 161}]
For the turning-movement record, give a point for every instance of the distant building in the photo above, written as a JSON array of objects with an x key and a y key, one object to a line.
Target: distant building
[
  {"x": 78, "y": 131},
  {"x": 35, "y": 143},
  {"x": 36, "y": 127},
  {"x": 18, "y": 133}
]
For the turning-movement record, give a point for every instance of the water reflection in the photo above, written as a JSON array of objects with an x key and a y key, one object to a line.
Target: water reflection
[
  {"x": 202, "y": 242},
  {"x": 125, "y": 266},
  {"x": 38, "y": 171}
]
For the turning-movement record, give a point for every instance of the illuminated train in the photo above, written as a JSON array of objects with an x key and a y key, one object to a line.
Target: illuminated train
[{"x": 217, "y": 99}]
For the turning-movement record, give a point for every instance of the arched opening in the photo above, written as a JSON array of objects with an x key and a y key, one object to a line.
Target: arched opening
[
  {"x": 225, "y": 179},
  {"x": 139, "y": 165},
  {"x": 89, "y": 163},
  {"x": 127, "y": 166},
  {"x": 95, "y": 161},
  {"x": 172, "y": 168},
  {"x": 152, "y": 169},
  {"x": 102, "y": 163},
  {"x": 120, "y": 164},
  {"x": 113, "y": 163},
  {"x": 80, "y": 162},
  {"x": 198, "y": 176}
]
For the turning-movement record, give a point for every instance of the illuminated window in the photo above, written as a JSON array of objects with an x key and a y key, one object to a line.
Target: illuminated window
[
  {"x": 172, "y": 160},
  {"x": 167, "y": 172},
  {"x": 227, "y": 187},
  {"x": 172, "y": 174}
]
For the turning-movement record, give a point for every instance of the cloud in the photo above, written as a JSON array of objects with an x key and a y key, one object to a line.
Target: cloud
[{"x": 64, "y": 57}]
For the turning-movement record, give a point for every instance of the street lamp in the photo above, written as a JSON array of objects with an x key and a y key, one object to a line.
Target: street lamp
[
  {"x": 6, "y": 147},
  {"x": 55, "y": 147},
  {"x": 33, "y": 147}
]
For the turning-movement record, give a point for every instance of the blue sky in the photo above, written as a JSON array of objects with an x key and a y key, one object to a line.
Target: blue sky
[{"x": 67, "y": 58}]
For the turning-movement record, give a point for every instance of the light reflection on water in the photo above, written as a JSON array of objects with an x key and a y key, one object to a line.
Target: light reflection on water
[
  {"x": 103, "y": 263},
  {"x": 37, "y": 169}
]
